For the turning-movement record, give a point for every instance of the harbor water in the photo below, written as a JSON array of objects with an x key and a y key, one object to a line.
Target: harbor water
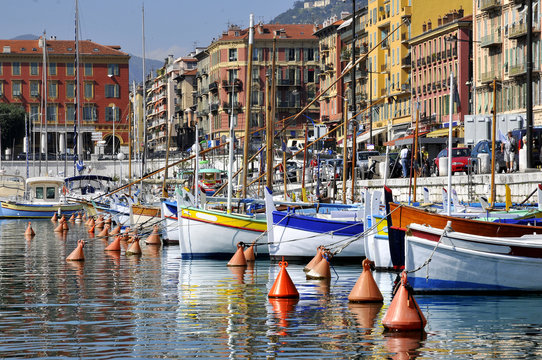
[{"x": 157, "y": 306}]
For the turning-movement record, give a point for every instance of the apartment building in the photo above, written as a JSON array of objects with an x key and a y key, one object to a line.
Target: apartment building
[{"x": 40, "y": 75}]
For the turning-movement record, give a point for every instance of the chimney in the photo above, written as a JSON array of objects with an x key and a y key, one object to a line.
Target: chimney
[
  {"x": 439, "y": 21},
  {"x": 429, "y": 25},
  {"x": 260, "y": 28},
  {"x": 445, "y": 19},
  {"x": 424, "y": 27},
  {"x": 461, "y": 12}
]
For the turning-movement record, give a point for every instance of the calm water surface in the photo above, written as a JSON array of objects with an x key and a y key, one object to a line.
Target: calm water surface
[{"x": 157, "y": 306}]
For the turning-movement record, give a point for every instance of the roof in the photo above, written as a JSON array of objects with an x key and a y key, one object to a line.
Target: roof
[
  {"x": 44, "y": 180},
  {"x": 269, "y": 31},
  {"x": 60, "y": 47}
]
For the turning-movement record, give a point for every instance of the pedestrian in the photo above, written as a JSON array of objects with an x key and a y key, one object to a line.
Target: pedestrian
[
  {"x": 510, "y": 150},
  {"x": 404, "y": 160},
  {"x": 425, "y": 162}
]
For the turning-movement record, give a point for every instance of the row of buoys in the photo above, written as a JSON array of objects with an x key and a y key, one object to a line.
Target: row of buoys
[{"x": 402, "y": 314}]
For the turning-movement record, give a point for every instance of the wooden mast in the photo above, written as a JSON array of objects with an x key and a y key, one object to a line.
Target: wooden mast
[
  {"x": 493, "y": 132},
  {"x": 416, "y": 133},
  {"x": 345, "y": 148},
  {"x": 248, "y": 105},
  {"x": 270, "y": 132}
]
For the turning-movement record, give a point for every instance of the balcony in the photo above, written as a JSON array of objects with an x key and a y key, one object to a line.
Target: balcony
[
  {"x": 517, "y": 30},
  {"x": 491, "y": 40},
  {"x": 384, "y": 68},
  {"x": 328, "y": 67},
  {"x": 406, "y": 62},
  {"x": 235, "y": 85},
  {"x": 288, "y": 104},
  {"x": 288, "y": 82},
  {"x": 487, "y": 5},
  {"x": 405, "y": 88},
  {"x": 213, "y": 87},
  {"x": 226, "y": 106},
  {"x": 404, "y": 38},
  {"x": 517, "y": 70},
  {"x": 487, "y": 77},
  {"x": 214, "y": 107}
]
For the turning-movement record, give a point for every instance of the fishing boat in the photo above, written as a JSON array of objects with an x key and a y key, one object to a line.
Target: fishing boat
[
  {"x": 213, "y": 234},
  {"x": 209, "y": 180},
  {"x": 144, "y": 214},
  {"x": 46, "y": 196},
  {"x": 296, "y": 236},
  {"x": 445, "y": 260}
]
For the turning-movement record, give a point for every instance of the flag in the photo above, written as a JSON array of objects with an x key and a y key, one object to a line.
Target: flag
[
  {"x": 456, "y": 98},
  {"x": 502, "y": 138}
]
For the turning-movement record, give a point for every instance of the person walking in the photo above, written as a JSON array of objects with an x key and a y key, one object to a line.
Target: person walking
[
  {"x": 404, "y": 160},
  {"x": 510, "y": 150}
]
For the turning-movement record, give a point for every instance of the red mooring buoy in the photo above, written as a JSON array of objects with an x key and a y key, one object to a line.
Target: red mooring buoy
[
  {"x": 315, "y": 260},
  {"x": 77, "y": 254},
  {"x": 29, "y": 231},
  {"x": 238, "y": 259},
  {"x": 404, "y": 312},
  {"x": 114, "y": 246},
  {"x": 322, "y": 269},
  {"x": 249, "y": 254},
  {"x": 134, "y": 248},
  {"x": 365, "y": 289},
  {"x": 283, "y": 287}
]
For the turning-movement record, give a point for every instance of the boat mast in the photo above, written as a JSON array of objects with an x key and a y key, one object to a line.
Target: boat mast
[
  {"x": 230, "y": 150},
  {"x": 77, "y": 121},
  {"x": 144, "y": 157},
  {"x": 449, "y": 195},
  {"x": 416, "y": 134},
  {"x": 131, "y": 138},
  {"x": 270, "y": 128},
  {"x": 248, "y": 115},
  {"x": 43, "y": 136}
]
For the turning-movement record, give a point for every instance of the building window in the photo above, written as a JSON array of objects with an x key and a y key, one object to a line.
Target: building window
[
  {"x": 34, "y": 88},
  {"x": 310, "y": 55},
  {"x": 52, "y": 68},
  {"x": 70, "y": 69},
  {"x": 52, "y": 110},
  {"x": 89, "y": 90},
  {"x": 1, "y": 71},
  {"x": 16, "y": 89},
  {"x": 53, "y": 90},
  {"x": 112, "y": 69},
  {"x": 1, "y": 89},
  {"x": 112, "y": 113},
  {"x": 232, "y": 75},
  {"x": 233, "y": 54},
  {"x": 34, "y": 112},
  {"x": 112, "y": 91},
  {"x": 88, "y": 69},
  {"x": 70, "y": 90},
  {"x": 16, "y": 68},
  {"x": 34, "y": 69},
  {"x": 89, "y": 112},
  {"x": 291, "y": 54},
  {"x": 70, "y": 112}
]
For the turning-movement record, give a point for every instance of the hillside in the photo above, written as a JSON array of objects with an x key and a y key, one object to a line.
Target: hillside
[{"x": 316, "y": 15}]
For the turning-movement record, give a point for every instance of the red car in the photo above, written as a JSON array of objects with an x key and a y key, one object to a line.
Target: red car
[{"x": 460, "y": 160}]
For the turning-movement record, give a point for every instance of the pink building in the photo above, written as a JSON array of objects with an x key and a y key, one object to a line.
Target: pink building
[{"x": 436, "y": 53}]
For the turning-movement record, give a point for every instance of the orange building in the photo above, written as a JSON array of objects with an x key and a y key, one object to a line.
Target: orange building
[{"x": 103, "y": 92}]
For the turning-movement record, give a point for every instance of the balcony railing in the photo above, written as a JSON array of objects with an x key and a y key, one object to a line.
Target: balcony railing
[
  {"x": 289, "y": 104},
  {"x": 488, "y": 77},
  {"x": 491, "y": 40},
  {"x": 214, "y": 107},
  {"x": 517, "y": 70},
  {"x": 213, "y": 87},
  {"x": 236, "y": 84},
  {"x": 486, "y": 5},
  {"x": 406, "y": 61},
  {"x": 517, "y": 30}
]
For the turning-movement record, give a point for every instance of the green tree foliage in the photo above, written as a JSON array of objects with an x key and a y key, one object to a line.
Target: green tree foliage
[
  {"x": 299, "y": 15},
  {"x": 11, "y": 124}
]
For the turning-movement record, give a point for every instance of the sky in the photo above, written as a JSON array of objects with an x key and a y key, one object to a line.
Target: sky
[{"x": 171, "y": 26}]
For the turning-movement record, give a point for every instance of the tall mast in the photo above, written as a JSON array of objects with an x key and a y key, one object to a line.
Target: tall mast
[
  {"x": 248, "y": 89},
  {"x": 77, "y": 122},
  {"x": 270, "y": 121},
  {"x": 43, "y": 141},
  {"x": 144, "y": 94}
]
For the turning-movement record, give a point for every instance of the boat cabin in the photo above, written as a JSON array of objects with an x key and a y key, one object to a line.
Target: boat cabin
[
  {"x": 44, "y": 189},
  {"x": 209, "y": 180}
]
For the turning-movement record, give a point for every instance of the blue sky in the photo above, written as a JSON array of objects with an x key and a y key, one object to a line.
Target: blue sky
[{"x": 171, "y": 26}]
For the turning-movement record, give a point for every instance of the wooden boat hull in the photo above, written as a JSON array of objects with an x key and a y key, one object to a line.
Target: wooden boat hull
[
  {"x": 403, "y": 215},
  {"x": 465, "y": 263},
  {"x": 144, "y": 214},
  {"x": 20, "y": 210},
  {"x": 211, "y": 234}
]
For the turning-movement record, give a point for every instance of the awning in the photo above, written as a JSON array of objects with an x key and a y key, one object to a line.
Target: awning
[
  {"x": 442, "y": 132},
  {"x": 405, "y": 140},
  {"x": 366, "y": 135}
]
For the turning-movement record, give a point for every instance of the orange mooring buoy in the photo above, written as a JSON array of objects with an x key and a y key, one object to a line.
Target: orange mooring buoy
[
  {"x": 134, "y": 248},
  {"x": 72, "y": 218},
  {"x": 104, "y": 232},
  {"x": 63, "y": 218},
  {"x": 54, "y": 218},
  {"x": 238, "y": 259},
  {"x": 59, "y": 227},
  {"x": 315, "y": 260},
  {"x": 404, "y": 312},
  {"x": 249, "y": 254},
  {"x": 365, "y": 289},
  {"x": 65, "y": 226},
  {"x": 115, "y": 245},
  {"x": 116, "y": 230},
  {"x": 77, "y": 254},
  {"x": 29, "y": 231},
  {"x": 321, "y": 270},
  {"x": 154, "y": 237},
  {"x": 79, "y": 218},
  {"x": 283, "y": 287}
]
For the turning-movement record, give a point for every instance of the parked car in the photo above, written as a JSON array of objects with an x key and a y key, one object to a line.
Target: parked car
[
  {"x": 362, "y": 159},
  {"x": 484, "y": 147},
  {"x": 291, "y": 171},
  {"x": 460, "y": 160}
]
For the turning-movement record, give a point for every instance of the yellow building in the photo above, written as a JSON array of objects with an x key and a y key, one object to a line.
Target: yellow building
[{"x": 389, "y": 64}]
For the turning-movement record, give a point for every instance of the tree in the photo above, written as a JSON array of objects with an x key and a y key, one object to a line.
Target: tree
[{"x": 11, "y": 124}]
